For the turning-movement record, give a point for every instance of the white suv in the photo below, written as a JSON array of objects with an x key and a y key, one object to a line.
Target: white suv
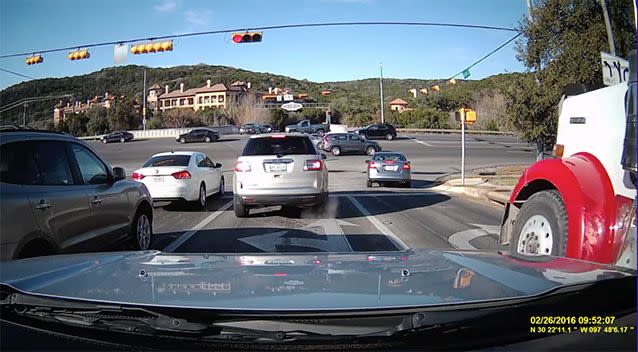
[{"x": 279, "y": 169}]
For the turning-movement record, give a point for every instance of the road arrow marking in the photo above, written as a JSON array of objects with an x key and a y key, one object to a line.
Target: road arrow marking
[
  {"x": 461, "y": 239},
  {"x": 336, "y": 237}
]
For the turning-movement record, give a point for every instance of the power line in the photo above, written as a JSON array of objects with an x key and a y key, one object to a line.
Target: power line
[
  {"x": 488, "y": 54},
  {"x": 285, "y": 26},
  {"x": 17, "y": 74}
]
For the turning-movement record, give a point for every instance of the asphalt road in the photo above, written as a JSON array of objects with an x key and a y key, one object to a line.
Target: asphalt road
[{"x": 356, "y": 218}]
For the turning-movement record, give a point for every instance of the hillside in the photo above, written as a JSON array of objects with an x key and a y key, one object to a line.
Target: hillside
[{"x": 357, "y": 100}]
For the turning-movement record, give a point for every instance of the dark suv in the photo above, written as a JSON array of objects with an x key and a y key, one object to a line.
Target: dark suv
[
  {"x": 57, "y": 195},
  {"x": 349, "y": 143},
  {"x": 384, "y": 130}
]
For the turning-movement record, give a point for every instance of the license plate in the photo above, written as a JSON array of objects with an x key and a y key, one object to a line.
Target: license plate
[
  {"x": 391, "y": 167},
  {"x": 158, "y": 179},
  {"x": 276, "y": 167}
]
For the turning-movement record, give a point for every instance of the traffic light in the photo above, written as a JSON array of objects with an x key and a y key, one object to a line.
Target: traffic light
[
  {"x": 424, "y": 90},
  {"x": 248, "y": 37},
  {"x": 452, "y": 81},
  {"x": 468, "y": 114},
  {"x": 156, "y": 47},
  {"x": 436, "y": 88},
  {"x": 79, "y": 55},
  {"x": 35, "y": 59}
]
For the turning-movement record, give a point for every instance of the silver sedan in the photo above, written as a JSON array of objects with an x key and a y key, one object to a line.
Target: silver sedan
[{"x": 389, "y": 167}]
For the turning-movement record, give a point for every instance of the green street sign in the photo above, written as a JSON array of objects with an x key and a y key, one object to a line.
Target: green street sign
[{"x": 466, "y": 74}]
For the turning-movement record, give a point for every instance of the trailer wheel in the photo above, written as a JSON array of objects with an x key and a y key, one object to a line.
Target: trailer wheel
[{"x": 541, "y": 226}]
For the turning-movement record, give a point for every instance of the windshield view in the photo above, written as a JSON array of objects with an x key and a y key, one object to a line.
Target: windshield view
[{"x": 329, "y": 175}]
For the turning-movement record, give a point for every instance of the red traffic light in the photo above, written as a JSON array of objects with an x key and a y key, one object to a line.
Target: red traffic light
[{"x": 247, "y": 37}]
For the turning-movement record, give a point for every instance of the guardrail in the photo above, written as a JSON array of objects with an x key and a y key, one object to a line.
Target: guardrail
[
  {"x": 435, "y": 130},
  {"x": 170, "y": 132}
]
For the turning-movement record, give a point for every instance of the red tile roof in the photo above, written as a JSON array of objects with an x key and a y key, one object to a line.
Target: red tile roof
[{"x": 398, "y": 101}]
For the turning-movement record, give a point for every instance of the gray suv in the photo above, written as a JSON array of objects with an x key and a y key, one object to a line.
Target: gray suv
[
  {"x": 58, "y": 196},
  {"x": 342, "y": 143}
]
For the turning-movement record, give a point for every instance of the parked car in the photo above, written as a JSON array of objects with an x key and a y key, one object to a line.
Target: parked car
[
  {"x": 306, "y": 126},
  {"x": 57, "y": 195},
  {"x": 188, "y": 176},
  {"x": 279, "y": 169},
  {"x": 344, "y": 143},
  {"x": 199, "y": 135},
  {"x": 374, "y": 131},
  {"x": 266, "y": 128},
  {"x": 120, "y": 136},
  {"x": 389, "y": 167},
  {"x": 249, "y": 128}
]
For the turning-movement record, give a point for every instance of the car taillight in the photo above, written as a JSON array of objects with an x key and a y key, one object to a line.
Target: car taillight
[
  {"x": 558, "y": 150},
  {"x": 181, "y": 175},
  {"x": 313, "y": 165},
  {"x": 406, "y": 166},
  {"x": 278, "y": 136},
  {"x": 372, "y": 165},
  {"x": 136, "y": 176},
  {"x": 242, "y": 166}
]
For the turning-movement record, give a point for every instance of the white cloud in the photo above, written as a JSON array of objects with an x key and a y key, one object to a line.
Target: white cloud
[
  {"x": 166, "y": 6},
  {"x": 197, "y": 18}
]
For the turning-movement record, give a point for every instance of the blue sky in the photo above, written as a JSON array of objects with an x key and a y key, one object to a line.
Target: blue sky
[{"x": 316, "y": 54}]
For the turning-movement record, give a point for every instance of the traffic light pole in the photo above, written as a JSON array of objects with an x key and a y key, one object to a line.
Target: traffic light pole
[
  {"x": 381, "y": 90},
  {"x": 144, "y": 102},
  {"x": 463, "y": 148}
]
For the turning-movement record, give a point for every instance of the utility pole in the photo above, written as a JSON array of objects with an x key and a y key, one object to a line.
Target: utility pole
[
  {"x": 144, "y": 102},
  {"x": 610, "y": 35},
  {"x": 24, "y": 115},
  {"x": 463, "y": 148},
  {"x": 381, "y": 90}
]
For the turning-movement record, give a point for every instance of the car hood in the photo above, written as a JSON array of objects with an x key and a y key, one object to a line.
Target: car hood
[{"x": 284, "y": 282}]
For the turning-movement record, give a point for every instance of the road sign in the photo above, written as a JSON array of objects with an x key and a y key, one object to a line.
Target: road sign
[
  {"x": 288, "y": 97},
  {"x": 466, "y": 74},
  {"x": 292, "y": 106},
  {"x": 615, "y": 69},
  {"x": 120, "y": 52}
]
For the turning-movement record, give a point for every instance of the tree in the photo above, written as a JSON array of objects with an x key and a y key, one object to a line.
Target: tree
[
  {"x": 279, "y": 119},
  {"x": 156, "y": 122},
  {"x": 562, "y": 42},
  {"x": 246, "y": 110},
  {"x": 76, "y": 124},
  {"x": 98, "y": 122},
  {"x": 179, "y": 118},
  {"x": 122, "y": 116}
]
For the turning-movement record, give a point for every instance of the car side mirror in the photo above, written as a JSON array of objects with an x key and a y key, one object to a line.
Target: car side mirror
[
  {"x": 118, "y": 174},
  {"x": 218, "y": 165},
  {"x": 324, "y": 157}
]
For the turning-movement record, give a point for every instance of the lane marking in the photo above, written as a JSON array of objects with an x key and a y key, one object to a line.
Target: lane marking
[
  {"x": 423, "y": 143},
  {"x": 188, "y": 234},
  {"x": 461, "y": 239},
  {"x": 378, "y": 224}
]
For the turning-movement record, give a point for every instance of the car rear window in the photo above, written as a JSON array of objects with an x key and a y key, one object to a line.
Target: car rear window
[
  {"x": 279, "y": 146},
  {"x": 168, "y": 160},
  {"x": 388, "y": 157}
]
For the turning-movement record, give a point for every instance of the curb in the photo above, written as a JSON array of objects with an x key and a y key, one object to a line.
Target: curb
[{"x": 489, "y": 195}]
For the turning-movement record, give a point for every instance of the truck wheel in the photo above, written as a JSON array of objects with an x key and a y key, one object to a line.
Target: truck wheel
[
  {"x": 336, "y": 151},
  {"x": 320, "y": 132},
  {"x": 241, "y": 211},
  {"x": 541, "y": 226}
]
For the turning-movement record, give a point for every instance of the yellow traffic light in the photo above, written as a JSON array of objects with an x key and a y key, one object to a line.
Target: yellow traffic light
[
  {"x": 152, "y": 47},
  {"x": 35, "y": 59},
  {"x": 436, "y": 88},
  {"x": 452, "y": 81},
  {"x": 424, "y": 90},
  {"x": 468, "y": 114},
  {"x": 79, "y": 55}
]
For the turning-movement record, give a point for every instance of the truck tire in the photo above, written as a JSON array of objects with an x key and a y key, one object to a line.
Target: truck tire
[
  {"x": 241, "y": 211},
  {"x": 541, "y": 226}
]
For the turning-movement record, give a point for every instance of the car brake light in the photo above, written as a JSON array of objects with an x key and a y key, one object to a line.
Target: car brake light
[
  {"x": 313, "y": 165},
  {"x": 136, "y": 176},
  {"x": 372, "y": 165},
  {"x": 242, "y": 166},
  {"x": 181, "y": 175},
  {"x": 558, "y": 150},
  {"x": 278, "y": 136},
  {"x": 389, "y": 162},
  {"x": 406, "y": 166}
]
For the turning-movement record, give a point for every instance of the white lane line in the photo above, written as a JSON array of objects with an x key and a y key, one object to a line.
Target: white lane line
[
  {"x": 378, "y": 224},
  {"x": 188, "y": 234},
  {"x": 423, "y": 143}
]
